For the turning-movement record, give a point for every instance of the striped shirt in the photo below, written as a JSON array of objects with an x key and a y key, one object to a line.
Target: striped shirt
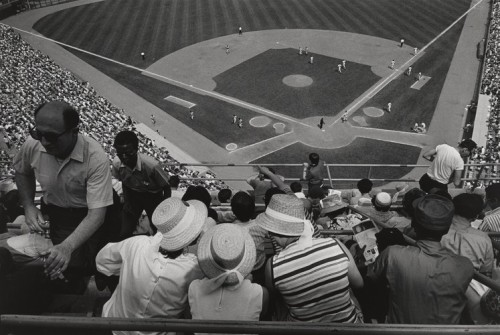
[
  {"x": 313, "y": 282},
  {"x": 491, "y": 222}
]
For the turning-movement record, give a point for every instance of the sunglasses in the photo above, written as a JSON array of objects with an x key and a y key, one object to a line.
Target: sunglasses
[{"x": 49, "y": 137}]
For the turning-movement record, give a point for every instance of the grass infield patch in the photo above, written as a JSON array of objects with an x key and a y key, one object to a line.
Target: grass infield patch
[{"x": 259, "y": 81}]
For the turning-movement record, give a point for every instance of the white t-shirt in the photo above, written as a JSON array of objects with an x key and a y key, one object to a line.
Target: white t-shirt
[{"x": 447, "y": 160}]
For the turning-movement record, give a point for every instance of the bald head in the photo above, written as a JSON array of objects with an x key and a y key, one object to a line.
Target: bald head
[
  {"x": 56, "y": 128},
  {"x": 60, "y": 109}
]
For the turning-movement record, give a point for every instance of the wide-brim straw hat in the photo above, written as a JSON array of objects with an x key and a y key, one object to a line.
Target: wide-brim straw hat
[
  {"x": 284, "y": 215},
  {"x": 226, "y": 247},
  {"x": 179, "y": 221},
  {"x": 332, "y": 203}
]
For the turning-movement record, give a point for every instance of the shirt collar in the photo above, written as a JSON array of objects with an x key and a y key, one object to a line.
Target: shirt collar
[
  {"x": 460, "y": 223},
  {"x": 77, "y": 152}
]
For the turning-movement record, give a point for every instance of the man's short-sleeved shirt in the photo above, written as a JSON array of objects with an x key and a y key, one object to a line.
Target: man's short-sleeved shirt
[
  {"x": 491, "y": 222},
  {"x": 427, "y": 283},
  {"x": 447, "y": 161},
  {"x": 464, "y": 240},
  {"x": 82, "y": 180},
  {"x": 146, "y": 176}
]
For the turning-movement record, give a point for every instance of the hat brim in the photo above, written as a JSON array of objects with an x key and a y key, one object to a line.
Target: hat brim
[
  {"x": 191, "y": 231},
  {"x": 333, "y": 208},
  {"x": 279, "y": 227},
  {"x": 206, "y": 261}
]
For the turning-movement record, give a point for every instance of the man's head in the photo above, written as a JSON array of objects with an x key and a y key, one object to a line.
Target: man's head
[
  {"x": 127, "y": 145},
  {"x": 468, "y": 205},
  {"x": 296, "y": 187},
  {"x": 56, "y": 127},
  {"x": 224, "y": 195},
  {"x": 466, "y": 147},
  {"x": 365, "y": 186},
  {"x": 409, "y": 198},
  {"x": 493, "y": 195},
  {"x": 382, "y": 201},
  {"x": 174, "y": 181},
  {"x": 243, "y": 206},
  {"x": 432, "y": 217},
  {"x": 314, "y": 158}
]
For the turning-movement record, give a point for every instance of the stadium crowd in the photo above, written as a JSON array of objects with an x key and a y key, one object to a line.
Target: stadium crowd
[
  {"x": 490, "y": 85},
  {"x": 30, "y": 78}
]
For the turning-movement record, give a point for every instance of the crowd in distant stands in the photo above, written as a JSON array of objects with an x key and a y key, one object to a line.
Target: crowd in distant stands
[
  {"x": 490, "y": 85},
  {"x": 30, "y": 78}
]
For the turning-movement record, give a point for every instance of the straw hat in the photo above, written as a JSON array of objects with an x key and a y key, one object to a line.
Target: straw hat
[
  {"x": 332, "y": 203},
  {"x": 179, "y": 221},
  {"x": 226, "y": 247},
  {"x": 284, "y": 216}
]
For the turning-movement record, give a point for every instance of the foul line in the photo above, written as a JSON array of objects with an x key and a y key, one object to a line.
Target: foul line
[
  {"x": 398, "y": 71},
  {"x": 219, "y": 96}
]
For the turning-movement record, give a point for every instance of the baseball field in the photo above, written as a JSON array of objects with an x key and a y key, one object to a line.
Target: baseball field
[{"x": 199, "y": 70}]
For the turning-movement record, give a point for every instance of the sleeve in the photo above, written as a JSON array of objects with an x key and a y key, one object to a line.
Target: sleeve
[
  {"x": 160, "y": 176},
  {"x": 487, "y": 266},
  {"x": 378, "y": 268},
  {"x": 115, "y": 168},
  {"x": 99, "y": 187},
  {"x": 22, "y": 160},
  {"x": 109, "y": 259}
]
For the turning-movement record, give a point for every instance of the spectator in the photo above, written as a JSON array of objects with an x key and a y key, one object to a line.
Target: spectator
[
  {"x": 243, "y": 207},
  {"x": 155, "y": 272},
  {"x": 447, "y": 165},
  {"x": 296, "y": 188},
  {"x": 74, "y": 173},
  {"x": 226, "y": 255},
  {"x": 465, "y": 240},
  {"x": 380, "y": 211},
  {"x": 313, "y": 171},
  {"x": 144, "y": 182},
  {"x": 360, "y": 196},
  {"x": 174, "y": 181},
  {"x": 427, "y": 283},
  {"x": 260, "y": 184},
  {"x": 314, "y": 282}
]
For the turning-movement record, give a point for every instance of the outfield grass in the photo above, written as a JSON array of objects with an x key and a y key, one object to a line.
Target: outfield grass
[{"x": 122, "y": 29}]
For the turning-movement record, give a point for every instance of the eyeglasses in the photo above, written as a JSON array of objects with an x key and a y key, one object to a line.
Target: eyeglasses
[{"x": 49, "y": 137}]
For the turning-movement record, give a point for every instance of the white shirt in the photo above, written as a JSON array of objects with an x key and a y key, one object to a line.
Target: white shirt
[
  {"x": 447, "y": 160},
  {"x": 150, "y": 284}
]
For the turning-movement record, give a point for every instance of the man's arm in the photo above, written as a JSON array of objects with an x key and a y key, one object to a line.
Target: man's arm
[
  {"x": 26, "y": 185},
  {"x": 274, "y": 178},
  {"x": 429, "y": 154},
  {"x": 457, "y": 177},
  {"x": 60, "y": 254}
]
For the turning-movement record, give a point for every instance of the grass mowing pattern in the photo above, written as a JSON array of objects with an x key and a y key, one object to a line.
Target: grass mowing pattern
[{"x": 121, "y": 29}]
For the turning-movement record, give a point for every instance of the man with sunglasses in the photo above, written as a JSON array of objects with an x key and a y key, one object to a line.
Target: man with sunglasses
[{"x": 74, "y": 173}]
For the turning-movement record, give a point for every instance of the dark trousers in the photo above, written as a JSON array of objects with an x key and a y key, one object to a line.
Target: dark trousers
[
  {"x": 135, "y": 203},
  {"x": 427, "y": 183},
  {"x": 63, "y": 222}
]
